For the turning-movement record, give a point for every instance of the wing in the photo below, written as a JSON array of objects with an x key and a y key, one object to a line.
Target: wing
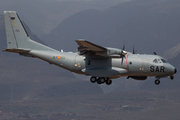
[{"x": 88, "y": 46}]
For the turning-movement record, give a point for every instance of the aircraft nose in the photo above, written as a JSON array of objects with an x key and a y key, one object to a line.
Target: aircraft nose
[{"x": 175, "y": 70}]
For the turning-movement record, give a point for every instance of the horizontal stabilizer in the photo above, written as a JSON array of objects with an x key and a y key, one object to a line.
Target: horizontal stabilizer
[{"x": 17, "y": 50}]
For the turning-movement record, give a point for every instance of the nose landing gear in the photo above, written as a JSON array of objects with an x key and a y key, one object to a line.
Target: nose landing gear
[
  {"x": 157, "y": 81},
  {"x": 101, "y": 80},
  {"x": 172, "y": 77}
]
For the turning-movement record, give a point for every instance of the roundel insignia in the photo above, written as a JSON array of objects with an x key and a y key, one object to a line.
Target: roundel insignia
[{"x": 58, "y": 57}]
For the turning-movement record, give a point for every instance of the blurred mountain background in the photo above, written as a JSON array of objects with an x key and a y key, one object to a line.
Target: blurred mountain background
[
  {"x": 149, "y": 25},
  {"x": 44, "y": 15}
]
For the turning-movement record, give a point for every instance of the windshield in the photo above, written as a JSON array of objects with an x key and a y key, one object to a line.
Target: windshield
[
  {"x": 159, "y": 61},
  {"x": 163, "y": 61}
]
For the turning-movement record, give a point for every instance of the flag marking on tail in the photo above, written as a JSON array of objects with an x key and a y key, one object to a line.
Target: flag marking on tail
[{"x": 14, "y": 23}]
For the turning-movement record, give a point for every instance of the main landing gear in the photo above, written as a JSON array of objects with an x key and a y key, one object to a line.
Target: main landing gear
[{"x": 101, "y": 80}]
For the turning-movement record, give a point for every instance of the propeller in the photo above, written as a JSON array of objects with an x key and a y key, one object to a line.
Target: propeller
[{"x": 123, "y": 53}]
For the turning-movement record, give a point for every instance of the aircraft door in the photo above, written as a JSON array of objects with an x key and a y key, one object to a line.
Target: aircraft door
[
  {"x": 78, "y": 62},
  {"x": 145, "y": 66}
]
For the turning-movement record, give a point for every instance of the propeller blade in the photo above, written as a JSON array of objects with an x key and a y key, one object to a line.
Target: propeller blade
[
  {"x": 124, "y": 47},
  {"x": 122, "y": 51},
  {"x": 123, "y": 54},
  {"x": 122, "y": 61}
]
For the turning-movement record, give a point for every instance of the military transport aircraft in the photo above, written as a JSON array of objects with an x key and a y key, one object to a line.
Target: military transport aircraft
[{"x": 102, "y": 63}]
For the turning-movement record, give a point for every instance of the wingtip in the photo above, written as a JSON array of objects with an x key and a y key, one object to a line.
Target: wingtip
[{"x": 80, "y": 40}]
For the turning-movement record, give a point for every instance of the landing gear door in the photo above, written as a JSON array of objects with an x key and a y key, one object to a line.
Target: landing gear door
[{"x": 145, "y": 66}]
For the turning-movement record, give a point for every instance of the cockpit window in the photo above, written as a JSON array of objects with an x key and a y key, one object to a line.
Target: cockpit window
[
  {"x": 159, "y": 61},
  {"x": 155, "y": 61},
  {"x": 163, "y": 61}
]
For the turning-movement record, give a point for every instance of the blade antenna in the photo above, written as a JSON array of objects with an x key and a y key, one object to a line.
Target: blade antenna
[{"x": 155, "y": 53}]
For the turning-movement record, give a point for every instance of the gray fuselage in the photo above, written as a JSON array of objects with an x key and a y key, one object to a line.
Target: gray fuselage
[{"x": 132, "y": 64}]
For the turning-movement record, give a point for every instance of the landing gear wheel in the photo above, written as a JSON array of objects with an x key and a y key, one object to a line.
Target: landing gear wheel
[
  {"x": 93, "y": 79},
  {"x": 171, "y": 77},
  {"x": 157, "y": 82},
  {"x": 102, "y": 79},
  {"x": 109, "y": 81},
  {"x": 98, "y": 81}
]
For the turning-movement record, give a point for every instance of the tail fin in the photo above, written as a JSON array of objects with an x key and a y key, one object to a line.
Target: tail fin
[{"x": 18, "y": 39}]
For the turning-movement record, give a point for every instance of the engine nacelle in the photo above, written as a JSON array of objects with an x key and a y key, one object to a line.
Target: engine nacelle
[
  {"x": 138, "y": 77},
  {"x": 111, "y": 52}
]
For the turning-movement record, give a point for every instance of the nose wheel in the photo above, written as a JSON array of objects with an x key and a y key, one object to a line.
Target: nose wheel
[
  {"x": 171, "y": 77},
  {"x": 157, "y": 82},
  {"x": 101, "y": 80}
]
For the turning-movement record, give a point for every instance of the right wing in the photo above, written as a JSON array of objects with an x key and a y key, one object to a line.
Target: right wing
[{"x": 88, "y": 48}]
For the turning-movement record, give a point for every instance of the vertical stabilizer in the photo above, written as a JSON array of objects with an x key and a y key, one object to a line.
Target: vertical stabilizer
[
  {"x": 17, "y": 36},
  {"x": 10, "y": 33}
]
